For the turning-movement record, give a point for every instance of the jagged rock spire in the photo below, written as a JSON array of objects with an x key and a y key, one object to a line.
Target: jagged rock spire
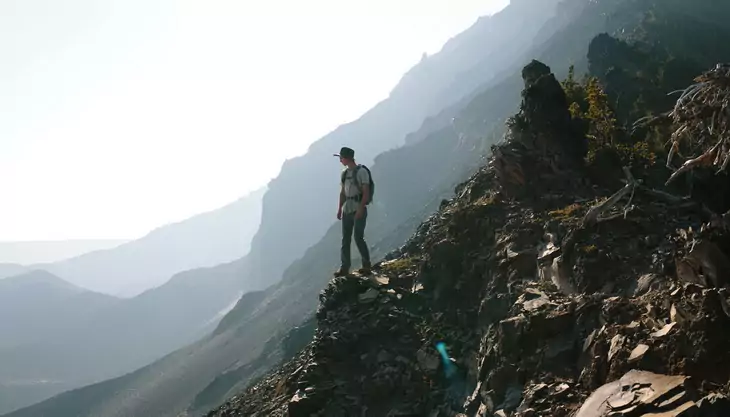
[{"x": 544, "y": 143}]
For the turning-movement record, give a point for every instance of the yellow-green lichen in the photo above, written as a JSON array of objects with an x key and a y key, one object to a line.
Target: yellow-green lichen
[
  {"x": 399, "y": 265},
  {"x": 589, "y": 249},
  {"x": 566, "y": 212}
]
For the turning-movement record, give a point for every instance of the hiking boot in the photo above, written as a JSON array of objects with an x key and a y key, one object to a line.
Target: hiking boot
[
  {"x": 341, "y": 273},
  {"x": 365, "y": 271}
]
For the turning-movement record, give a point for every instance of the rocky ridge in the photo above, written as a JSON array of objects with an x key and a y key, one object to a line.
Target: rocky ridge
[{"x": 532, "y": 292}]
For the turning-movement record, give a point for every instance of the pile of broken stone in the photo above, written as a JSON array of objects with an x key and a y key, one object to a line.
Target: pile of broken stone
[
  {"x": 365, "y": 359},
  {"x": 654, "y": 343}
]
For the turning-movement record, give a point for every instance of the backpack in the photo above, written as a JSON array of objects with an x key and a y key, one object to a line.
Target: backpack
[{"x": 354, "y": 176}]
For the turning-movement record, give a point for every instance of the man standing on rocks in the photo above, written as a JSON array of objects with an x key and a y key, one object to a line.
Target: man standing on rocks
[{"x": 352, "y": 210}]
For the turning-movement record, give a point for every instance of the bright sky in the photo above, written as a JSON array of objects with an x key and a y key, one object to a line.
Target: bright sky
[{"x": 117, "y": 117}]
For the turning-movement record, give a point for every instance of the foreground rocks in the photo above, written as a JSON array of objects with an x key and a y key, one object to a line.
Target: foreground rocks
[
  {"x": 639, "y": 393},
  {"x": 507, "y": 302}
]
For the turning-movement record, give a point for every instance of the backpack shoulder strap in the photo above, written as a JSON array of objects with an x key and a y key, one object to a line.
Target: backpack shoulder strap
[{"x": 354, "y": 176}]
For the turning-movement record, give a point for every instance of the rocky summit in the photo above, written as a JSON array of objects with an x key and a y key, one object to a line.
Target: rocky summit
[{"x": 533, "y": 292}]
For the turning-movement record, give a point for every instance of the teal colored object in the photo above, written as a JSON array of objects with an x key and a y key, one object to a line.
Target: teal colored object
[
  {"x": 441, "y": 347},
  {"x": 449, "y": 367}
]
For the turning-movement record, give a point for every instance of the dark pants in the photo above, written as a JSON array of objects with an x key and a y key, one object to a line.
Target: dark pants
[{"x": 348, "y": 224}]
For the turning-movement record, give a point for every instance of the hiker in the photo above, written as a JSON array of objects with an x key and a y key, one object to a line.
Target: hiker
[{"x": 355, "y": 194}]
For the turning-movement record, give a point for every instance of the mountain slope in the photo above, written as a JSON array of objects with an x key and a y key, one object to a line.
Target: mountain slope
[
  {"x": 591, "y": 20},
  {"x": 250, "y": 339},
  {"x": 37, "y": 304},
  {"x": 70, "y": 337},
  {"x": 562, "y": 41},
  {"x": 528, "y": 295},
  {"x": 71, "y": 342},
  {"x": 37, "y": 308},
  {"x": 422, "y": 92},
  {"x": 205, "y": 240}
]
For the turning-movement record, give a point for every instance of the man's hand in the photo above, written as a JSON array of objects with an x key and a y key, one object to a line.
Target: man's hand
[
  {"x": 360, "y": 212},
  {"x": 339, "y": 214}
]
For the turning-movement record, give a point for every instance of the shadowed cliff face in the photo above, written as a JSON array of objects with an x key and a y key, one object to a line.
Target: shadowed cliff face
[{"x": 478, "y": 314}]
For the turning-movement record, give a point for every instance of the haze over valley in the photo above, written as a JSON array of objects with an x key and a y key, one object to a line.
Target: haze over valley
[{"x": 544, "y": 208}]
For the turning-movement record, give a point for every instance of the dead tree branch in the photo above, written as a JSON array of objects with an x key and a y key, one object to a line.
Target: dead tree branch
[
  {"x": 592, "y": 216},
  {"x": 702, "y": 119}
]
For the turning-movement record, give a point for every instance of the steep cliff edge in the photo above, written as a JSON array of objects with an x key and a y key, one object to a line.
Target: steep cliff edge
[{"x": 533, "y": 292}]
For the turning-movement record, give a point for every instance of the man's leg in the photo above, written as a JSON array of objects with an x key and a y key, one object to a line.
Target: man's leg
[
  {"x": 362, "y": 246},
  {"x": 348, "y": 222}
]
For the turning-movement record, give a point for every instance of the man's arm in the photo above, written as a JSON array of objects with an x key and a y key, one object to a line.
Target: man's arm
[{"x": 342, "y": 201}]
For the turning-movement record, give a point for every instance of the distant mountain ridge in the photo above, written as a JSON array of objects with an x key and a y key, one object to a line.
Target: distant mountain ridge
[
  {"x": 10, "y": 269},
  {"x": 55, "y": 329},
  {"x": 204, "y": 240},
  {"x": 36, "y": 252},
  {"x": 37, "y": 309},
  {"x": 57, "y": 332}
]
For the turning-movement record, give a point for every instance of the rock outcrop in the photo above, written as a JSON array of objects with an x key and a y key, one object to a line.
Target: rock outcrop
[
  {"x": 545, "y": 146},
  {"x": 508, "y": 302}
]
